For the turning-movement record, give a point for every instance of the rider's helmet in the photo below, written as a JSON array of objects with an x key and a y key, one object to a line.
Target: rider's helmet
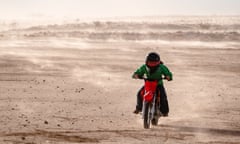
[{"x": 153, "y": 61}]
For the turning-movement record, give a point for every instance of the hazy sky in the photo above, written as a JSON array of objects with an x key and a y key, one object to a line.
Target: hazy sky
[{"x": 110, "y": 8}]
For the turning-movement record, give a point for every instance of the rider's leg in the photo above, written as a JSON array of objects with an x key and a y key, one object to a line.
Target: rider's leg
[
  {"x": 139, "y": 101},
  {"x": 164, "y": 108}
]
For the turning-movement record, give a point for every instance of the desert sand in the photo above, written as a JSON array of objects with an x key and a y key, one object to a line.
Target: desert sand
[{"x": 71, "y": 83}]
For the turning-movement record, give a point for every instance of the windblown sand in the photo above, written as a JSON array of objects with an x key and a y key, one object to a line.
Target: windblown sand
[{"x": 72, "y": 83}]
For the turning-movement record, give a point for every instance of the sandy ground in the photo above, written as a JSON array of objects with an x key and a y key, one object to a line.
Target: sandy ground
[{"x": 69, "y": 90}]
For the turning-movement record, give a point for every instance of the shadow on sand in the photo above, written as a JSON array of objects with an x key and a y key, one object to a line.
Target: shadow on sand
[{"x": 203, "y": 130}]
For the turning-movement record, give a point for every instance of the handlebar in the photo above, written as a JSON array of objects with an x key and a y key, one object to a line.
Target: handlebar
[{"x": 144, "y": 78}]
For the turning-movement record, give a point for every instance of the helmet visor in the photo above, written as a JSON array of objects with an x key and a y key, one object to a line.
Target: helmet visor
[{"x": 152, "y": 63}]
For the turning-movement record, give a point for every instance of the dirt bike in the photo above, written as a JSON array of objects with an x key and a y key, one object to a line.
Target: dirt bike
[{"x": 151, "y": 102}]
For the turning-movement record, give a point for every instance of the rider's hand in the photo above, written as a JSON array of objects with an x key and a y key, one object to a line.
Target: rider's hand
[
  {"x": 135, "y": 76},
  {"x": 168, "y": 78}
]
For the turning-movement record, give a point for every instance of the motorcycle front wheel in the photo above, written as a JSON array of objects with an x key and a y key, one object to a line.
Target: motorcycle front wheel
[{"x": 146, "y": 115}]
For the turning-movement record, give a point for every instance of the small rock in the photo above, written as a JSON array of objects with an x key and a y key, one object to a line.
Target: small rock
[{"x": 45, "y": 122}]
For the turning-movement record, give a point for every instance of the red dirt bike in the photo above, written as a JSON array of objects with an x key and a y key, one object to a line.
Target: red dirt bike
[{"x": 151, "y": 102}]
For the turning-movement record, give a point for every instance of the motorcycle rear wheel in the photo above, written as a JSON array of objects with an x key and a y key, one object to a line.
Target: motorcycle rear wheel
[{"x": 154, "y": 121}]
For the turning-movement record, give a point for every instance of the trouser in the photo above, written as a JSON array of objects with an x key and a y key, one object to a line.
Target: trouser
[{"x": 164, "y": 108}]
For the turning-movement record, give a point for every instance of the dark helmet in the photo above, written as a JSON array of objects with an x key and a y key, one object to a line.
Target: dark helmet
[{"x": 152, "y": 59}]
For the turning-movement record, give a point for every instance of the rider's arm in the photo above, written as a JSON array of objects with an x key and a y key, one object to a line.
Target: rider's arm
[
  {"x": 139, "y": 72},
  {"x": 166, "y": 73}
]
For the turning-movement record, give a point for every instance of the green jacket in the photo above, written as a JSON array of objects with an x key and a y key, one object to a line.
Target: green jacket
[{"x": 162, "y": 70}]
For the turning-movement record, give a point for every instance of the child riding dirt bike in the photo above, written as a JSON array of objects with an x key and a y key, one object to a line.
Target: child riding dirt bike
[{"x": 153, "y": 69}]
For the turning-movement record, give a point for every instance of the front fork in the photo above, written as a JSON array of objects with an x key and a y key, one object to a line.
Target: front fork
[{"x": 153, "y": 107}]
